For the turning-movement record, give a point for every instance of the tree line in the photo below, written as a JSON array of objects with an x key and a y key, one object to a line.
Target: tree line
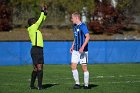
[{"x": 58, "y": 9}]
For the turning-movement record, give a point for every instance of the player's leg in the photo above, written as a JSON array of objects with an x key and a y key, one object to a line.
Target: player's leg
[
  {"x": 86, "y": 75},
  {"x": 75, "y": 75},
  {"x": 74, "y": 62},
  {"x": 33, "y": 77},
  {"x": 40, "y": 75},
  {"x": 83, "y": 62}
]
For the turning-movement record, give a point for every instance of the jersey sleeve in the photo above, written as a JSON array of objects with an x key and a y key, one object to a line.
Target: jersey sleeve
[
  {"x": 44, "y": 17},
  {"x": 84, "y": 29},
  {"x": 41, "y": 18}
]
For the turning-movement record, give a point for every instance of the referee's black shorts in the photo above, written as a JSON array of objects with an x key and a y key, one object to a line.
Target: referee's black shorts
[{"x": 37, "y": 55}]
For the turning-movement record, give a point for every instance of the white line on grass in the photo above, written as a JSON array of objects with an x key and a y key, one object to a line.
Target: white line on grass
[
  {"x": 116, "y": 82},
  {"x": 127, "y": 82},
  {"x": 120, "y": 76}
]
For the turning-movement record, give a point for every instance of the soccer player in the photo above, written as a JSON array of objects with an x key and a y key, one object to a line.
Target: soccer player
[
  {"x": 37, "y": 48},
  {"x": 79, "y": 50}
]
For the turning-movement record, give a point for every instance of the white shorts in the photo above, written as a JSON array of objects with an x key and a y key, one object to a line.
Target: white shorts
[{"x": 79, "y": 57}]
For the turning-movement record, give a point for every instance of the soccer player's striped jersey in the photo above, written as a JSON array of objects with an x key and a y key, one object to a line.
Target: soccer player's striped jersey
[{"x": 79, "y": 36}]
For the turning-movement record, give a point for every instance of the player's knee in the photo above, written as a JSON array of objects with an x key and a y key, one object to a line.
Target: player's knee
[
  {"x": 39, "y": 68},
  {"x": 73, "y": 66},
  {"x": 84, "y": 68}
]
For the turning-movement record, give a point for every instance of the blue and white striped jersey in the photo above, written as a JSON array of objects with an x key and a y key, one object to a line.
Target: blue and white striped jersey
[{"x": 79, "y": 35}]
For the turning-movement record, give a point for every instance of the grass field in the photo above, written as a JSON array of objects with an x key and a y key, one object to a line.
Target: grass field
[{"x": 104, "y": 78}]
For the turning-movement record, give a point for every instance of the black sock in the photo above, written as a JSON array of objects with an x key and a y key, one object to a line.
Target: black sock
[
  {"x": 40, "y": 77},
  {"x": 33, "y": 78}
]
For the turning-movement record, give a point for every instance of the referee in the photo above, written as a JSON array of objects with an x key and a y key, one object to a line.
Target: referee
[{"x": 37, "y": 48}]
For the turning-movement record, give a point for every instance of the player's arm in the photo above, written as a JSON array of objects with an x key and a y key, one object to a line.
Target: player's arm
[
  {"x": 72, "y": 47},
  {"x": 85, "y": 31},
  {"x": 85, "y": 43},
  {"x": 42, "y": 17}
]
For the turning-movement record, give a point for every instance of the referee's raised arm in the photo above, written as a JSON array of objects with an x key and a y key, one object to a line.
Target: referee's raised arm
[{"x": 42, "y": 16}]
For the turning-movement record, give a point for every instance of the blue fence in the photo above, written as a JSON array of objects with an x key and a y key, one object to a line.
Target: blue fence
[{"x": 18, "y": 53}]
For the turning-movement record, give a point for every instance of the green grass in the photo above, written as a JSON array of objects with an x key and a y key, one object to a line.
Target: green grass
[{"x": 104, "y": 78}]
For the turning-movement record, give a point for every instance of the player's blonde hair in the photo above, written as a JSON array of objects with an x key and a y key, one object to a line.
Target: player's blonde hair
[{"x": 76, "y": 14}]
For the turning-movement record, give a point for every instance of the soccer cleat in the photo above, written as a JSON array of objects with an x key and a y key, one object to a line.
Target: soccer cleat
[
  {"x": 33, "y": 87},
  {"x": 40, "y": 88},
  {"x": 87, "y": 87},
  {"x": 76, "y": 86}
]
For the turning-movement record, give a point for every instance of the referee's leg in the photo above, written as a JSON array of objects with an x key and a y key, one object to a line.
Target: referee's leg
[
  {"x": 40, "y": 75},
  {"x": 33, "y": 77}
]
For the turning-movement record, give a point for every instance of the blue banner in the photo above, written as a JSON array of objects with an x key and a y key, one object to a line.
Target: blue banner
[{"x": 57, "y": 52}]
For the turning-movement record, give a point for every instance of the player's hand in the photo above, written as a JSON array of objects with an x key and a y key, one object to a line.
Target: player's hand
[
  {"x": 81, "y": 50},
  {"x": 71, "y": 49}
]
